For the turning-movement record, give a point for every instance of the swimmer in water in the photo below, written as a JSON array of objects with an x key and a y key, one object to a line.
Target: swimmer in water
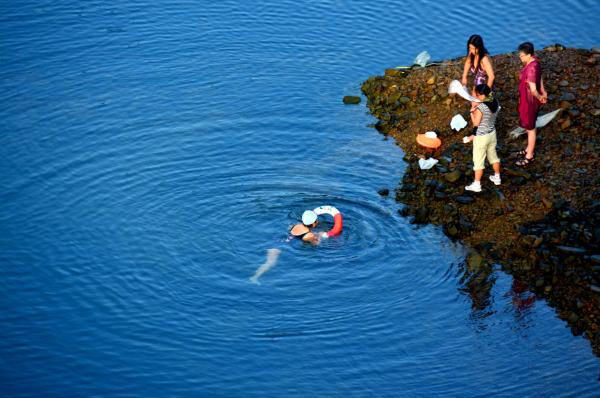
[{"x": 303, "y": 231}]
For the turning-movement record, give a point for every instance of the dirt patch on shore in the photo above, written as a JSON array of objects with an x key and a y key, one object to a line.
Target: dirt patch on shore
[{"x": 541, "y": 224}]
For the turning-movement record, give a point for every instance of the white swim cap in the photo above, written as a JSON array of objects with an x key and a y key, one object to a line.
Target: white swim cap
[{"x": 309, "y": 217}]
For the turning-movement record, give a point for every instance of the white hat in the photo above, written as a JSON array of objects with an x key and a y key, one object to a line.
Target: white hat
[{"x": 309, "y": 217}]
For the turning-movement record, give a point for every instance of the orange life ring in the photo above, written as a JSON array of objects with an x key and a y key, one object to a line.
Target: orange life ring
[{"x": 337, "y": 220}]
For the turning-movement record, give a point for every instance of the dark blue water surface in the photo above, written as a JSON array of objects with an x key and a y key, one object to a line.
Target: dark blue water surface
[{"x": 151, "y": 152}]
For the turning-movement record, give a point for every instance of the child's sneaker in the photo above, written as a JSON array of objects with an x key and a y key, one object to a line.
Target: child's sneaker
[
  {"x": 474, "y": 187},
  {"x": 495, "y": 179}
]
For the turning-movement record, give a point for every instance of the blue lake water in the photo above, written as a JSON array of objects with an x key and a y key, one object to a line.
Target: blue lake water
[{"x": 150, "y": 154}]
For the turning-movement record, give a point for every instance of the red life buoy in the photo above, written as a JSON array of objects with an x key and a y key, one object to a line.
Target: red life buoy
[{"x": 337, "y": 220}]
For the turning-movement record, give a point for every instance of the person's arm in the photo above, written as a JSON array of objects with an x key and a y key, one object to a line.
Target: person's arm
[
  {"x": 486, "y": 64},
  {"x": 466, "y": 70},
  {"x": 543, "y": 98},
  {"x": 476, "y": 116},
  {"x": 543, "y": 91}
]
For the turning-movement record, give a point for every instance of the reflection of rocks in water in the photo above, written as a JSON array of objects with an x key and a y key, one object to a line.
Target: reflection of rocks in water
[
  {"x": 477, "y": 281},
  {"x": 541, "y": 223}
]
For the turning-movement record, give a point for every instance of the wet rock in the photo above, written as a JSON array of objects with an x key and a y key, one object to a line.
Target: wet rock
[
  {"x": 595, "y": 112},
  {"x": 351, "y": 99},
  {"x": 404, "y": 212},
  {"x": 475, "y": 261},
  {"x": 595, "y": 289},
  {"x": 384, "y": 192},
  {"x": 421, "y": 215}
]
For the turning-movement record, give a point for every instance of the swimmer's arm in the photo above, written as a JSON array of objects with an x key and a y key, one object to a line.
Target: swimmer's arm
[{"x": 311, "y": 238}]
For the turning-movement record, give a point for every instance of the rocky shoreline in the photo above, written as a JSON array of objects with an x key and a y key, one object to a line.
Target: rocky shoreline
[{"x": 542, "y": 224}]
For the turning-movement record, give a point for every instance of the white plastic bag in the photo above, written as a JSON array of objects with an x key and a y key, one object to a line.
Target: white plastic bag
[
  {"x": 457, "y": 88},
  {"x": 540, "y": 122},
  {"x": 422, "y": 59},
  {"x": 458, "y": 122},
  {"x": 425, "y": 164}
]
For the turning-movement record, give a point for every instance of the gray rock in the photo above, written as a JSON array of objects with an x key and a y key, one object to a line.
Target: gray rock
[
  {"x": 463, "y": 199},
  {"x": 595, "y": 288},
  {"x": 567, "y": 97},
  {"x": 595, "y": 112},
  {"x": 571, "y": 249},
  {"x": 563, "y": 83},
  {"x": 384, "y": 192}
]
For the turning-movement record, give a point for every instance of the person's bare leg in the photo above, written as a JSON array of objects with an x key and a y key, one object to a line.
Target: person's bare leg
[
  {"x": 531, "y": 136},
  {"x": 478, "y": 175},
  {"x": 496, "y": 167}
]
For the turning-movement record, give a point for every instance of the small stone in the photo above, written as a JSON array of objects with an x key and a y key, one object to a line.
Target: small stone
[
  {"x": 571, "y": 249},
  {"x": 539, "y": 282},
  {"x": 463, "y": 199},
  {"x": 452, "y": 231},
  {"x": 448, "y": 101},
  {"x": 351, "y": 99},
  {"x": 595, "y": 258},
  {"x": 585, "y": 87},
  {"x": 563, "y": 83},
  {"x": 567, "y": 97},
  {"x": 565, "y": 124},
  {"x": 440, "y": 195},
  {"x": 453, "y": 176},
  {"x": 384, "y": 192},
  {"x": 404, "y": 100},
  {"x": 595, "y": 112},
  {"x": 518, "y": 173},
  {"x": 565, "y": 104},
  {"x": 595, "y": 288},
  {"x": 431, "y": 80},
  {"x": 519, "y": 181}
]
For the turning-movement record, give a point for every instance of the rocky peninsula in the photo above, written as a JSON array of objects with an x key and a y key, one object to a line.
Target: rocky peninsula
[{"x": 542, "y": 224}]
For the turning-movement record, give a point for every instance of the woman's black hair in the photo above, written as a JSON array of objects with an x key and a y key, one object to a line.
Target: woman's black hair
[
  {"x": 526, "y": 48},
  {"x": 490, "y": 101},
  {"x": 476, "y": 41}
]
